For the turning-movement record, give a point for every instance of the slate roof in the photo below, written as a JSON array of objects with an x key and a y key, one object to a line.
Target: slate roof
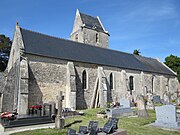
[
  {"x": 44, "y": 45},
  {"x": 91, "y": 22}
]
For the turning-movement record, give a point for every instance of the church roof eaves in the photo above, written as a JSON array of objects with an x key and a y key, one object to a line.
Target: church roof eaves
[{"x": 45, "y": 45}]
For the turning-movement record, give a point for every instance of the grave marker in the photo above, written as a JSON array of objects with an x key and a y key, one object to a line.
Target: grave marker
[
  {"x": 83, "y": 130},
  {"x": 93, "y": 127},
  {"x": 71, "y": 131},
  {"x": 59, "y": 121},
  {"x": 125, "y": 102},
  {"x": 166, "y": 116}
]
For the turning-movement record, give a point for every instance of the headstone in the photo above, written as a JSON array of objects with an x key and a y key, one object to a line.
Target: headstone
[
  {"x": 125, "y": 102},
  {"x": 115, "y": 122},
  {"x": 71, "y": 131},
  {"x": 166, "y": 116},
  {"x": 47, "y": 108},
  {"x": 120, "y": 111},
  {"x": 108, "y": 127},
  {"x": 59, "y": 121},
  {"x": 111, "y": 125},
  {"x": 150, "y": 101},
  {"x": 167, "y": 97},
  {"x": 83, "y": 130},
  {"x": 93, "y": 127},
  {"x": 53, "y": 108},
  {"x": 142, "y": 112},
  {"x": 157, "y": 99}
]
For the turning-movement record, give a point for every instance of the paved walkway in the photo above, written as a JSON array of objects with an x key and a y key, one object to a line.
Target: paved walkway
[{"x": 24, "y": 128}]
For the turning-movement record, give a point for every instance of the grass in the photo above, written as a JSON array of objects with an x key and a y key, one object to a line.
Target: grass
[{"x": 133, "y": 125}]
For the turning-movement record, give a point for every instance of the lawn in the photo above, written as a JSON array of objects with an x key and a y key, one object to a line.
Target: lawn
[{"x": 133, "y": 125}]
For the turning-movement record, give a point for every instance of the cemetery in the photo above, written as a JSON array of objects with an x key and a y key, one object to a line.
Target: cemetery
[{"x": 121, "y": 119}]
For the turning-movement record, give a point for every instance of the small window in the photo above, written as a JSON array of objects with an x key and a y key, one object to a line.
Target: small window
[
  {"x": 76, "y": 37},
  {"x": 97, "y": 37},
  {"x": 111, "y": 81},
  {"x": 131, "y": 83},
  {"x": 84, "y": 80}
]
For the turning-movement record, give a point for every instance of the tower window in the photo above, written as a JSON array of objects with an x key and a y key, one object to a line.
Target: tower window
[
  {"x": 76, "y": 37},
  {"x": 84, "y": 80},
  {"x": 131, "y": 83},
  {"x": 111, "y": 81},
  {"x": 97, "y": 37}
]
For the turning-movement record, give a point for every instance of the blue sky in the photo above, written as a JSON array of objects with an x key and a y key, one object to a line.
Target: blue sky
[{"x": 153, "y": 26}]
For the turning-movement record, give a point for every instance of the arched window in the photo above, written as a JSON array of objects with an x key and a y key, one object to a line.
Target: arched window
[
  {"x": 84, "y": 80},
  {"x": 131, "y": 83},
  {"x": 76, "y": 37},
  {"x": 97, "y": 37},
  {"x": 111, "y": 81}
]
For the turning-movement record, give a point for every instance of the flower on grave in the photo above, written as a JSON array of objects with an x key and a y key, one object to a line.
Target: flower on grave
[{"x": 35, "y": 107}]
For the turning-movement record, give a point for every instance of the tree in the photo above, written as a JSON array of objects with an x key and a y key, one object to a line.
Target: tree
[
  {"x": 173, "y": 62},
  {"x": 5, "y": 47},
  {"x": 136, "y": 52}
]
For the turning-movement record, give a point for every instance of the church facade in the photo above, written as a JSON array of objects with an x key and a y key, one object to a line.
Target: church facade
[{"x": 88, "y": 73}]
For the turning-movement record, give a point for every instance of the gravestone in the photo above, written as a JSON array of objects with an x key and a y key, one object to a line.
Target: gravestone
[
  {"x": 53, "y": 107},
  {"x": 46, "y": 109},
  {"x": 108, "y": 128},
  {"x": 142, "y": 112},
  {"x": 71, "y": 131},
  {"x": 115, "y": 122},
  {"x": 83, "y": 130},
  {"x": 111, "y": 125},
  {"x": 166, "y": 116},
  {"x": 150, "y": 101},
  {"x": 120, "y": 111},
  {"x": 157, "y": 99},
  {"x": 125, "y": 102},
  {"x": 93, "y": 127},
  {"x": 59, "y": 121}
]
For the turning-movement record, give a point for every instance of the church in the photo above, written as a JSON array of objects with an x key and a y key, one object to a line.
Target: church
[{"x": 84, "y": 68}]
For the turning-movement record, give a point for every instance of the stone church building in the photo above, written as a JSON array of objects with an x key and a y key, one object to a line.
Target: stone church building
[{"x": 84, "y": 68}]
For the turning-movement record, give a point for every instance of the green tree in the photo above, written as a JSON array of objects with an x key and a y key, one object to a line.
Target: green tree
[
  {"x": 174, "y": 63},
  {"x": 5, "y": 47},
  {"x": 136, "y": 52}
]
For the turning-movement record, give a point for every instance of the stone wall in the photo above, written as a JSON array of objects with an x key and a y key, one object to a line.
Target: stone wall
[
  {"x": 46, "y": 78},
  {"x": 90, "y": 38},
  {"x": 84, "y": 96},
  {"x": 12, "y": 80},
  {"x": 10, "y": 91}
]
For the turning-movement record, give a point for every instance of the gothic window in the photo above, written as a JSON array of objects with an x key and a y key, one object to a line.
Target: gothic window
[
  {"x": 97, "y": 37},
  {"x": 84, "y": 80},
  {"x": 111, "y": 81},
  {"x": 131, "y": 83},
  {"x": 76, "y": 37}
]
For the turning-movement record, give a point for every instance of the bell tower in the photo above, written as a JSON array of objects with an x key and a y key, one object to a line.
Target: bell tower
[{"x": 89, "y": 30}]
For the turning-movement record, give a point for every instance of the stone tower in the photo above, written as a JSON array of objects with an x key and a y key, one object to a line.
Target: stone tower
[{"x": 89, "y": 30}]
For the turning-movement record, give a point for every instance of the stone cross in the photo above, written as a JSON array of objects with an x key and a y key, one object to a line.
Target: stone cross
[
  {"x": 141, "y": 103},
  {"x": 59, "y": 121}
]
